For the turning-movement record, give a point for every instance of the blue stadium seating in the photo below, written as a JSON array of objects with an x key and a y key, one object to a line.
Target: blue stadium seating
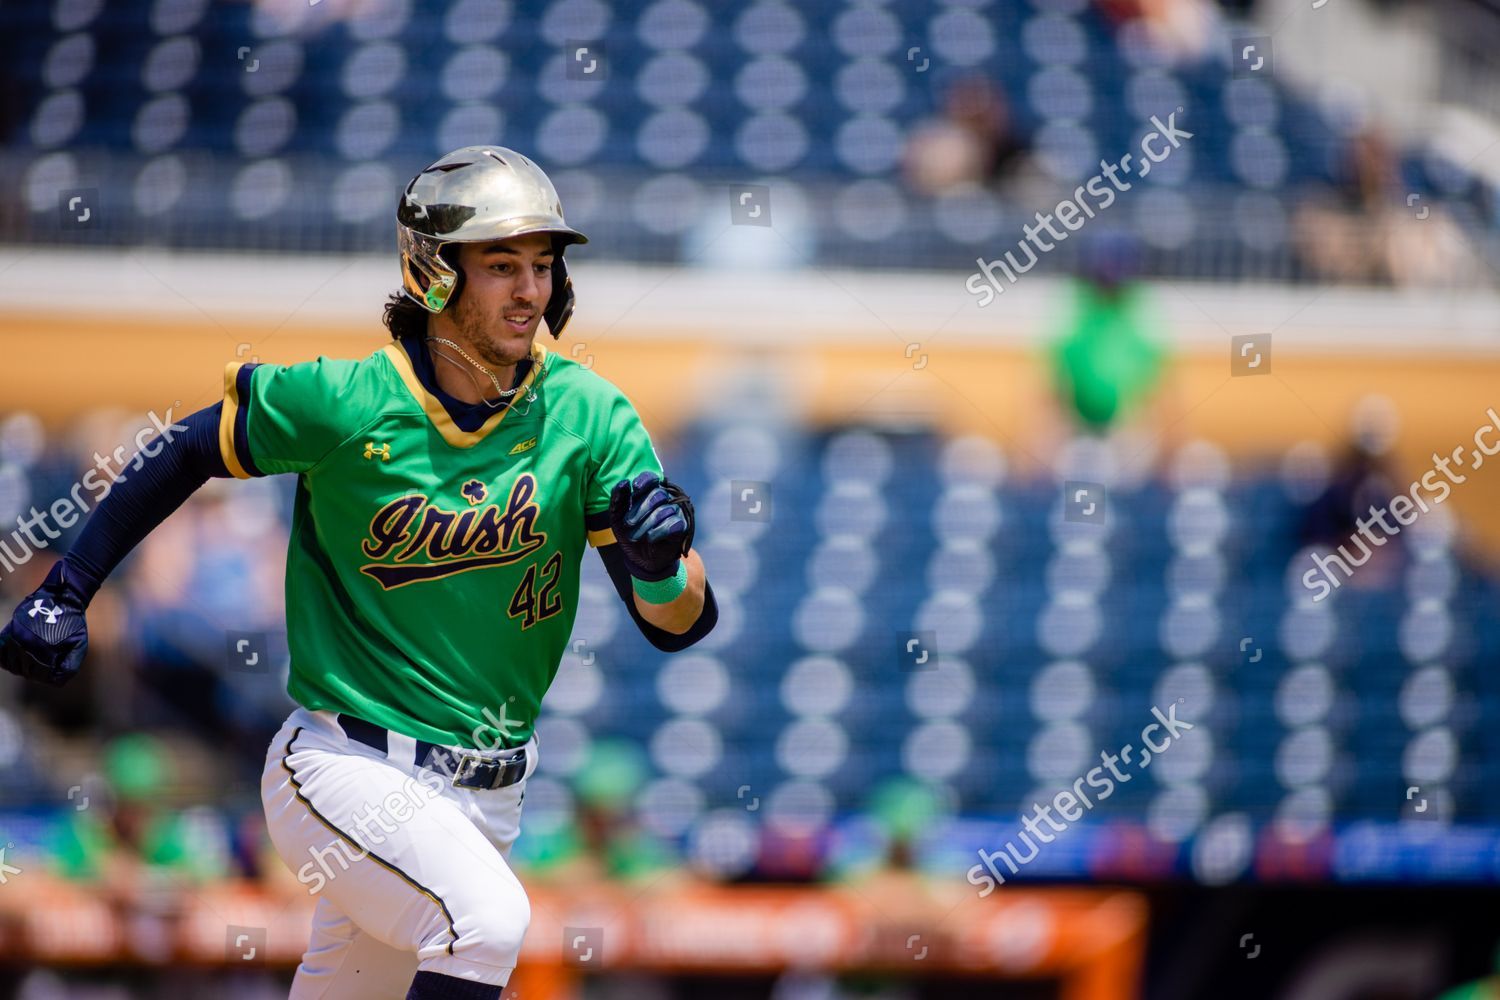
[{"x": 169, "y": 109}]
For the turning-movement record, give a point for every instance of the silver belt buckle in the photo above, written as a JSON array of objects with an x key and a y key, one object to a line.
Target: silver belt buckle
[{"x": 468, "y": 764}]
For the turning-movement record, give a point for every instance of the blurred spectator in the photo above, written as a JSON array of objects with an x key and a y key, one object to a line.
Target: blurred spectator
[
  {"x": 792, "y": 852},
  {"x": 1106, "y": 363},
  {"x": 128, "y": 839},
  {"x": 608, "y": 786},
  {"x": 973, "y": 141},
  {"x": 903, "y": 812},
  {"x": 904, "y": 809},
  {"x": 1368, "y": 226},
  {"x": 603, "y": 838},
  {"x": 1361, "y": 478},
  {"x": 897, "y": 894}
]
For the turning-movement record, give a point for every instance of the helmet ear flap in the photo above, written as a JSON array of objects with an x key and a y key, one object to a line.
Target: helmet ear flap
[
  {"x": 429, "y": 275},
  {"x": 560, "y": 306},
  {"x": 449, "y": 253}
]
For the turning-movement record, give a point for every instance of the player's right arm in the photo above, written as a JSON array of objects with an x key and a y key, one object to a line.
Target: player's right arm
[
  {"x": 272, "y": 419},
  {"x": 47, "y": 637}
]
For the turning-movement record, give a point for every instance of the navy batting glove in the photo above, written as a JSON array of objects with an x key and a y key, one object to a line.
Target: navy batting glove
[
  {"x": 653, "y": 523},
  {"x": 47, "y": 636}
]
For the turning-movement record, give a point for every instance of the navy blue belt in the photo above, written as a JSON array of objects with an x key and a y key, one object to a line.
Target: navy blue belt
[{"x": 467, "y": 768}]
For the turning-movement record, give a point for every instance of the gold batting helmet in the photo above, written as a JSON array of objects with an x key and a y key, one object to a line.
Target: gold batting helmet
[{"x": 479, "y": 194}]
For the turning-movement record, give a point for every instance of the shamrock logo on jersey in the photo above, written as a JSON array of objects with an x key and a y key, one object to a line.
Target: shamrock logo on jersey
[{"x": 474, "y": 492}]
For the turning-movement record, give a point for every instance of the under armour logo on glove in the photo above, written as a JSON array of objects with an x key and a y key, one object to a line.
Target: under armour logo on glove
[
  {"x": 38, "y": 609},
  {"x": 48, "y": 636}
]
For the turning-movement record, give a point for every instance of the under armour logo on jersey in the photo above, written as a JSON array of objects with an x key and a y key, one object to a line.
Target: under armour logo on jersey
[
  {"x": 384, "y": 451},
  {"x": 37, "y": 609}
]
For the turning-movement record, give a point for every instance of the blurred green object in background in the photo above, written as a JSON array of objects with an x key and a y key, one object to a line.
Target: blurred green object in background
[
  {"x": 904, "y": 808},
  {"x": 1105, "y": 362},
  {"x": 613, "y": 772},
  {"x": 137, "y": 766}
]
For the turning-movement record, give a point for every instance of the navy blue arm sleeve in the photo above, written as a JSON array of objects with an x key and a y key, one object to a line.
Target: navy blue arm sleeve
[
  {"x": 143, "y": 497},
  {"x": 667, "y": 642}
]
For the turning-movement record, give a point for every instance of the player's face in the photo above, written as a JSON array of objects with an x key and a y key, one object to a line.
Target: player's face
[{"x": 506, "y": 289}]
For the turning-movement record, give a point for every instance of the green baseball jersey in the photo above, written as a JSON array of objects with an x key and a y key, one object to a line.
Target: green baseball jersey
[{"x": 432, "y": 572}]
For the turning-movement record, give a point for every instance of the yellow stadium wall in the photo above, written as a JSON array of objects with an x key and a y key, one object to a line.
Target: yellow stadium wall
[{"x": 72, "y": 366}]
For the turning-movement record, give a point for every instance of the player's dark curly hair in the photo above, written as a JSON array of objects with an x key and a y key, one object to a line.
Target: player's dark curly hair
[{"x": 404, "y": 318}]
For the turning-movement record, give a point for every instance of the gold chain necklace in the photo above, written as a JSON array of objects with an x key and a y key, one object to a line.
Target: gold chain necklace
[{"x": 464, "y": 354}]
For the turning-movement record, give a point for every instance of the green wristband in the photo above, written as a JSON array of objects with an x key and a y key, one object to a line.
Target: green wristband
[{"x": 662, "y": 591}]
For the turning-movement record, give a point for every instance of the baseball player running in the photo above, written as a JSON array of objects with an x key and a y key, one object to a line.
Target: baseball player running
[{"x": 446, "y": 487}]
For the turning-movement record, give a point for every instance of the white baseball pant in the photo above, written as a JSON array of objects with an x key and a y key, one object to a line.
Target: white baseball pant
[{"x": 410, "y": 870}]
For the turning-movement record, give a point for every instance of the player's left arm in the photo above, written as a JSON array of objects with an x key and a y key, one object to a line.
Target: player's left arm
[
  {"x": 652, "y": 521},
  {"x": 642, "y": 524},
  {"x": 680, "y": 613}
]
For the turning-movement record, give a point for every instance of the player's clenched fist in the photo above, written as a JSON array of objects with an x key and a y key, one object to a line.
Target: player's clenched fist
[
  {"x": 47, "y": 636},
  {"x": 652, "y": 520}
]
